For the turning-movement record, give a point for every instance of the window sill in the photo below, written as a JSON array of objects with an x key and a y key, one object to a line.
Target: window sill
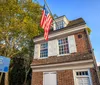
[
  {"x": 63, "y": 55},
  {"x": 43, "y": 58}
]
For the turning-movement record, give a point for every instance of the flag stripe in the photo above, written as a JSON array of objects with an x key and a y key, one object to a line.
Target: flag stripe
[
  {"x": 43, "y": 18},
  {"x": 46, "y": 22}
]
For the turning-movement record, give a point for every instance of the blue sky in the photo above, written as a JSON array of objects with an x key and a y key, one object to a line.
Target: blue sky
[{"x": 89, "y": 10}]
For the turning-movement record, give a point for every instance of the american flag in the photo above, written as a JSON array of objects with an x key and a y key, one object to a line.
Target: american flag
[{"x": 46, "y": 22}]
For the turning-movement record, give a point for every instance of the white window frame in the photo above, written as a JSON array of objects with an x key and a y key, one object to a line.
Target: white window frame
[
  {"x": 40, "y": 51},
  {"x": 58, "y": 48},
  {"x": 88, "y": 76},
  {"x": 60, "y": 24}
]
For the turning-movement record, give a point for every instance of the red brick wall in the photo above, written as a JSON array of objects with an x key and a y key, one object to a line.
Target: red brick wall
[
  {"x": 94, "y": 76},
  {"x": 65, "y": 77},
  {"x": 37, "y": 78},
  {"x": 82, "y": 44}
]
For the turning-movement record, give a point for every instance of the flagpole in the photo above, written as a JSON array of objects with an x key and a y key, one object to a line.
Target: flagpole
[
  {"x": 48, "y": 7},
  {"x": 50, "y": 11}
]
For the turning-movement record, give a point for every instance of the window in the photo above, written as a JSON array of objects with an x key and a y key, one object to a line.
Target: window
[
  {"x": 60, "y": 24},
  {"x": 82, "y": 73},
  {"x": 44, "y": 50},
  {"x": 49, "y": 78},
  {"x": 82, "y": 77},
  {"x": 63, "y": 46}
]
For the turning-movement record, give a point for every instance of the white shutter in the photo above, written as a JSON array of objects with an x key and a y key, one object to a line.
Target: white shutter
[
  {"x": 52, "y": 47},
  {"x": 37, "y": 51},
  {"x": 72, "y": 44},
  {"x": 49, "y": 78},
  {"x": 54, "y": 26}
]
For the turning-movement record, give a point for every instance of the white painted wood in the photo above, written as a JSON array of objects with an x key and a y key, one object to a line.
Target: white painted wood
[
  {"x": 63, "y": 18},
  {"x": 54, "y": 26},
  {"x": 52, "y": 47},
  {"x": 66, "y": 21},
  {"x": 61, "y": 32},
  {"x": 54, "y": 67},
  {"x": 37, "y": 51},
  {"x": 72, "y": 44},
  {"x": 82, "y": 79},
  {"x": 49, "y": 78}
]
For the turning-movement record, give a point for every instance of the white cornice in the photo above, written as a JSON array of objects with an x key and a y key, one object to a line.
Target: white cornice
[
  {"x": 62, "y": 32},
  {"x": 64, "y": 66}
]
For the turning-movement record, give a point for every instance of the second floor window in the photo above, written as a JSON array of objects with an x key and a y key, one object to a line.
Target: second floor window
[
  {"x": 44, "y": 50},
  {"x": 63, "y": 46}
]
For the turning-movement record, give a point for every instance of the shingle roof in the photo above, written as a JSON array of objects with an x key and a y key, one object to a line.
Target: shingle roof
[
  {"x": 73, "y": 23},
  {"x": 66, "y": 58},
  {"x": 76, "y": 21}
]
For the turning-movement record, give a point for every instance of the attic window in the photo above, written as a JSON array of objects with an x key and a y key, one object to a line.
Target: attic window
[{"x": 60, "y": 24}]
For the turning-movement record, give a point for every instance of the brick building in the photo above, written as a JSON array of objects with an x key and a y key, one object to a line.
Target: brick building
[
  {"x": 67, "y": 58},
  {"x": 98, "y": 67}
]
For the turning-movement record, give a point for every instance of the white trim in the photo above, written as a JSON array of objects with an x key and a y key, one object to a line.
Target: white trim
[
  {"x": 63, "y": 54},
  {"x": 64, "y": 66},
  {"x": 63, "y": 44},
  {"x": 43, "y": 57},
  {"x": 40, "y": 52},
  {"x": 75, "y": 77},
  {"x": 90, "y": 77},
  {"x": 62, "y": 32},
  {"x": 52, "y": 72},
  {"x": 70, "y": 63},
  {"x": 72, "y": 44}
]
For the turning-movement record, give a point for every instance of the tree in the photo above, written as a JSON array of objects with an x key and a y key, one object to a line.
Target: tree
[{"x": 19, "y": 23}]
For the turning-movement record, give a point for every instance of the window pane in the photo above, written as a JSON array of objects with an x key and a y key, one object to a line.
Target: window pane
[
  {"x": 82, "y": 73},
  {"x": 44, "y": 50},
  {"x": 86, "y": 73},
  {"x": 60, "y": 24},
  {"x": 63, "y": 46}
]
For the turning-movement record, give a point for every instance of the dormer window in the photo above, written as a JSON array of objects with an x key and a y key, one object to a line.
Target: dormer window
[{"x": 60, "y": 24}]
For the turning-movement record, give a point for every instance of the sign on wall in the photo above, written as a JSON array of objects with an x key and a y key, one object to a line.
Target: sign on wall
[{"x": 4, "y": 64}]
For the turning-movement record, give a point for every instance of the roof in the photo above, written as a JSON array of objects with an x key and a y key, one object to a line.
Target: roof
[
  {"x": 73, "y": 23},
  {"x": 60, "y": 17},
  {"x": 76, "y": 21},
  {"x": 66, "y": 58}
]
